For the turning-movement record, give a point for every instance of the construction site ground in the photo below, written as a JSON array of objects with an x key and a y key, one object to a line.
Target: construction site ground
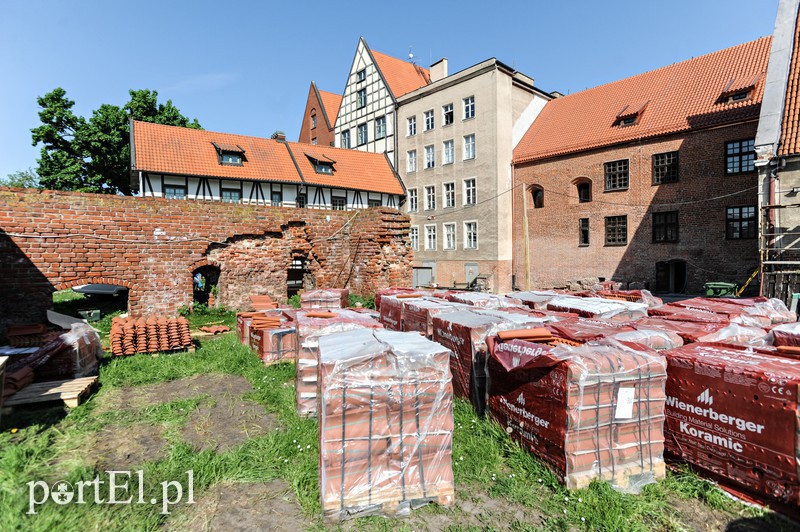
[{"x": 222, "y": 414}]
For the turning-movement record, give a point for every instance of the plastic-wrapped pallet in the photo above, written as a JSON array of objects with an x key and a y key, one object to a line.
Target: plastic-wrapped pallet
[
  {"x": 275, "y": 345},
  {"x": 675, "y": 313},
  {"x": 595, "y": 307},
  {"x": 392, "y": 309},
  {"x": 652, "y": 338},
  {"x": 418, "y": 313},
  {"x": 328, "y": 298},
  {"x": 484, "y": 300},
  {"x": 736, "y": 334},
  {"x": 243, "y": 320},
  {"x": 733, "y": 413},
  {"x": 391, "y": 291},
  {"x": 585, "y": 329},
  {"x": 385, "y": 424},
  {"x": 589, "y": 412},
  {"x": 787, "y": 334},
  {"x": 690, "y": 331},
  {"x": 311, "y": 325},
  {"x": 535, "y": 299}
]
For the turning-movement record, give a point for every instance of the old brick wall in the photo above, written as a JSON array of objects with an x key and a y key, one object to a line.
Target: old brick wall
[
  {"x": 55, "y": 240},
  {"x": 555, "y": 257}
]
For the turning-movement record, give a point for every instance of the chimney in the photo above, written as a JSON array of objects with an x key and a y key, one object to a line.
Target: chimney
[
  {"x": 439, "y": 70},
  {"x": 280, "y": 136}
]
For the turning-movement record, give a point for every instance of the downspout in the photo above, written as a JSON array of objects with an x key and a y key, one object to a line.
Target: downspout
[{"x": 526, "y": 240}]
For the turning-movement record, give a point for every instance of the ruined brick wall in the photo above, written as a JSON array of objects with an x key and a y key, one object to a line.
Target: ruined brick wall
[
  {"x": 55, "y": 240},
  {"x": 554, "y": 255}
]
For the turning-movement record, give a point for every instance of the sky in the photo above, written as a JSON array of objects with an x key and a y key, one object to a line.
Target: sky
[{"x": 245, "y": 67}]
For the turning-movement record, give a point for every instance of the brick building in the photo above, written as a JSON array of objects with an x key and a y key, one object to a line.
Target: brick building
[
  {"x": 649, "y": 179},
  {"x": 319, "y": 118}
]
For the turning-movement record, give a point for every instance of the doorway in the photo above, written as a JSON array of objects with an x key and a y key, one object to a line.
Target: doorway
[
  {"x": 671, "y": 276},
  {"x": 204, "y": 284},
  {"x": 295, "y": 276}
]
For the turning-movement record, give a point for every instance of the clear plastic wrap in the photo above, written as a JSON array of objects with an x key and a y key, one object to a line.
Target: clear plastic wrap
[
  {"x": 588, "y": 412},
  {"x": 737, "y": 335},
  {"x": 652, "y": 338},
  {"x": 484, "y": 300},
  {"x": 327, "y": 298},
  {"x": 275, "y": 345},
  {"x": 418, "y": 313},
  {"x": 394, "y": 290},
  {"x": 787, "y": 334},
  {"x": 586, "y": 329},
  {"x": 535, "y": 299},
  {"x": 311, "y": 326},
  {"x": 596, "y": 307},
  {"x": 87, "y": 348},
  {"x": 385, "y": 424},
  {"x": 690, "y": 331}
]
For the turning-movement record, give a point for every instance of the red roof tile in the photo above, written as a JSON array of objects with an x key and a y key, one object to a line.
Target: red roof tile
[
  {"x": 330, "y": 106},
  {"x": 790, "y": 125},
  {"x": 183, "y": 151},
  {"x": 681, "y": 96},
  {"x": 401, "y": 76}
]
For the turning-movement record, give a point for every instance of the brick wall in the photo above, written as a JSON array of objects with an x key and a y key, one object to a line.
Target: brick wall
[
  {"x": 56, "y": 240},
  {"x": 555, "y": 257}
]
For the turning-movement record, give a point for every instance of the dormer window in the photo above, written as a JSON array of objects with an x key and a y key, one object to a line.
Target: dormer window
[
  {"x": 322, "y": 164},
  {"x": 630, "y": 114},
  {"x": 229, "y": 154},
  {"x": 738, "y": 89},
  {"x": 324, "y": 168}
]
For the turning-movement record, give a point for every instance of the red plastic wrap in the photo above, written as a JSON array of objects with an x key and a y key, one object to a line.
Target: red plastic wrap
[{"x": 785, "y": 335}]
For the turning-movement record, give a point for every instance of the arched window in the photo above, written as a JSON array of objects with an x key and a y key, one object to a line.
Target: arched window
[
  {"x": 537, "y": 195},
  {"x": 583, "y": 187}
]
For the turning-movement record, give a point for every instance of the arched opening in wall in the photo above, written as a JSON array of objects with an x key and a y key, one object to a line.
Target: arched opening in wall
[
  {"x": 583, "y": 188},
  {"x": 671, "y": 276},
  {"x": 205, "y": 285},
  {"x": 92, "y": 300},
  {"x": 537, "y": 196},
  {"x": 298, "y": 276}
]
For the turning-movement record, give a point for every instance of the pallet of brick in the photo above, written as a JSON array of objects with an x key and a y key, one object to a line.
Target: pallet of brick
[
  {"x": 385, "y": 424},
  {"x": 735, "y": 334},
  {"x": 311, "y": 325},
  {"x": 391, "y": 291},
  {"x": 787, "y": 334},
  {"x": 690, "y": 331},
  {"x": 750, "y": 312},
  {"x": 732, "y": 412},
  {"x": 243, "y": 320},
  {"x": 484, "y": 300},
  {"x": 676, "y": 313},
  {"x": 535, "y": 299},
  {"x": 584, "y": 330},
  {"x": 588, "y": 412},
  {"x": 328, "y": 298},
  {"x": 635, "y": 296},
  {"x": 595, "y": 307},
  {"x": 653, "y": 338},
  {"x": 275, "y": 345},
  {"x": 392, "y": 309},
  {"x": 418, "y": 313}
]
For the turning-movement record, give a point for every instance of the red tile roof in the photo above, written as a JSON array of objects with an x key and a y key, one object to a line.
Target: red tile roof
[
  {"x": 790, "y": 125},
  {"x": 401, "y": 76},
  {"x": 330, "y": 106},
  {"x": 182, "y": 151},
  {"x": 681, "y": 96}
]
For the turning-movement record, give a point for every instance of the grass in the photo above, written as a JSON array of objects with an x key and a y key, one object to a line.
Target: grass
[{"x": 484, "y": 458}]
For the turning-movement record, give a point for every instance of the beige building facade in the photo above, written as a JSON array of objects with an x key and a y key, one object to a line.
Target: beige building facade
[{"x": 455, "y": 141}]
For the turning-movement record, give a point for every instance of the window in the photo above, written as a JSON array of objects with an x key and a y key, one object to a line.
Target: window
[
  {"x": 584, "y": 192},
  {"x": 449, "y": 195},
  {"x": 361, "y": 75},
  {"x": 338, "y": 204},
  {"x": 537, "y": 196},
  {"x": 470, "y": 191},
  {"x": 449, "y": 236},
  {"x": 738, "y": 96},
  {"x": 469, "y": 147},
  {"x": 616, "y": 230},
  {"x": 430, "y": 198},
  {"x": 412, "y": 200},
  {"x": 629, "y": 121},
  {"x": 428, "y": 120},
  {"x": 174, "y": 192},
  {"x": 380, "y": 127},
  {"x": 412, "y": 126},
  {"x": 313, "y": 121},
  {"x": 411, "y": 163},
  {"x": 740, "y": 222},
  {"x": 665, "y": 168},
  {"x": 323, "y": 168},
  {"x": 413, "y": 234},
  {"x": 616, "y": 174},
  {"x": 346, "y": 139},
  {"x": 430, "y": 237},
  {"x": 583, "y": 232},
  {"x": 448, "y": 152},
  {"x": 374, "y": 203},
  {"x": 361, "y": 132},
  {"x": 665, "y": 226},
  {"x": 469, "y": 107},
  {"x": 447, "y": 114},
  {"x": 430, "y": 157},
  {"x": 230, "y": 195},
  {"x": 276, "y": 198},
  {"x": 302, "y": 201},
  {"x": 740, "y": 156},
  {"x": 361, "y": 98},
  {"x": 314, "y": 141},
  {"x": 231, "y": 158},
  {"x": 470, "y": 235}
]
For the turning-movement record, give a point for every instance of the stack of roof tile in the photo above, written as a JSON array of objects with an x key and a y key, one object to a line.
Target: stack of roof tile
[
  {"x": 595, "y": 307},
  {"x": 311, "y": 326},
  {"x": 29, "y": 335},
  {"x": 385, "y": 424},
  {"x": 327, "y": 298},
  {"x": 589, "y": 412},
  {"x": 130, "y": 336}
]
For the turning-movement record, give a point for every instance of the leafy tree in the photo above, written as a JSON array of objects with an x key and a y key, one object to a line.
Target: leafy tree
[
  {"x": 94, "y": 155},
  {"x": 21, "y": 179}
]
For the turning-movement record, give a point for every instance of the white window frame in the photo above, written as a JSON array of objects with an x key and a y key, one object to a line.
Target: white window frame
[
  {"x": 466, "y": 234},
  {"x": 430, "y": 156},
  {"x": 448, "y": 152},
  {"x": 380, "y": 127},
  {"x": 412, "y": 126},
  {"x": 469, "y": 107},
  {"x": 430, "y": 121},
  {"x": 359, "y": 128},
  {"x": 413, "y": 235},
  {"x": 361, "y": 102},
  {"x": 445, "y": 109},
  {"x": 411, "y": 161},
  {"x": 430, "y": 198},
  {"x": 413, "y": 200},
  {"x": 345, "y": 134},
  {"x": 474, "y": 188},
  {"x": 447, "y": 197},
  {"x": 447, "y": 244},
  {"x": 467, "y": 143},
  {"x": 428, "y": 246}
]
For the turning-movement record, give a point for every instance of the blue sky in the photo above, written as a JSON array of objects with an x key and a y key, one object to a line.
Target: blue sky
[{"x": 245, "y": 67}]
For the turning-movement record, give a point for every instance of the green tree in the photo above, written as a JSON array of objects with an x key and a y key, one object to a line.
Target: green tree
[
  {"x": 21, "y": 179},
  {"x": 94, "y": 155}
]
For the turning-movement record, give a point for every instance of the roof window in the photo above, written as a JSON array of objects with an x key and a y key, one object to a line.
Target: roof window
[
  {"x": 630, "y": 114},
  {"x": 738, "y": 89},
  {"x": 229, "y": 154},
  {"x": 322, "y": 163}
]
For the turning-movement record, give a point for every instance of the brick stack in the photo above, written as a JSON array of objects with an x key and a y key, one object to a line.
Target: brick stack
[
  {"x": 595, "y": 307},
  {"x": 589, "y": 412},
  {"x": 584, "y": 330},
  {"x": 327, "y": 298},
  {"x": 385, "y": 424},
  {"x": 130, "y": 336},
  {"x": 484, "y": 300},
  {"x": 418, "y": 313},
  {"x": 394, "y": 290},
  {"x": 311, "y": 326}
]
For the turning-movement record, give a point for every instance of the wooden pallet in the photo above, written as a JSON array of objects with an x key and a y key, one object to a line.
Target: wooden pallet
[{"x": 72, "y": 392}]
